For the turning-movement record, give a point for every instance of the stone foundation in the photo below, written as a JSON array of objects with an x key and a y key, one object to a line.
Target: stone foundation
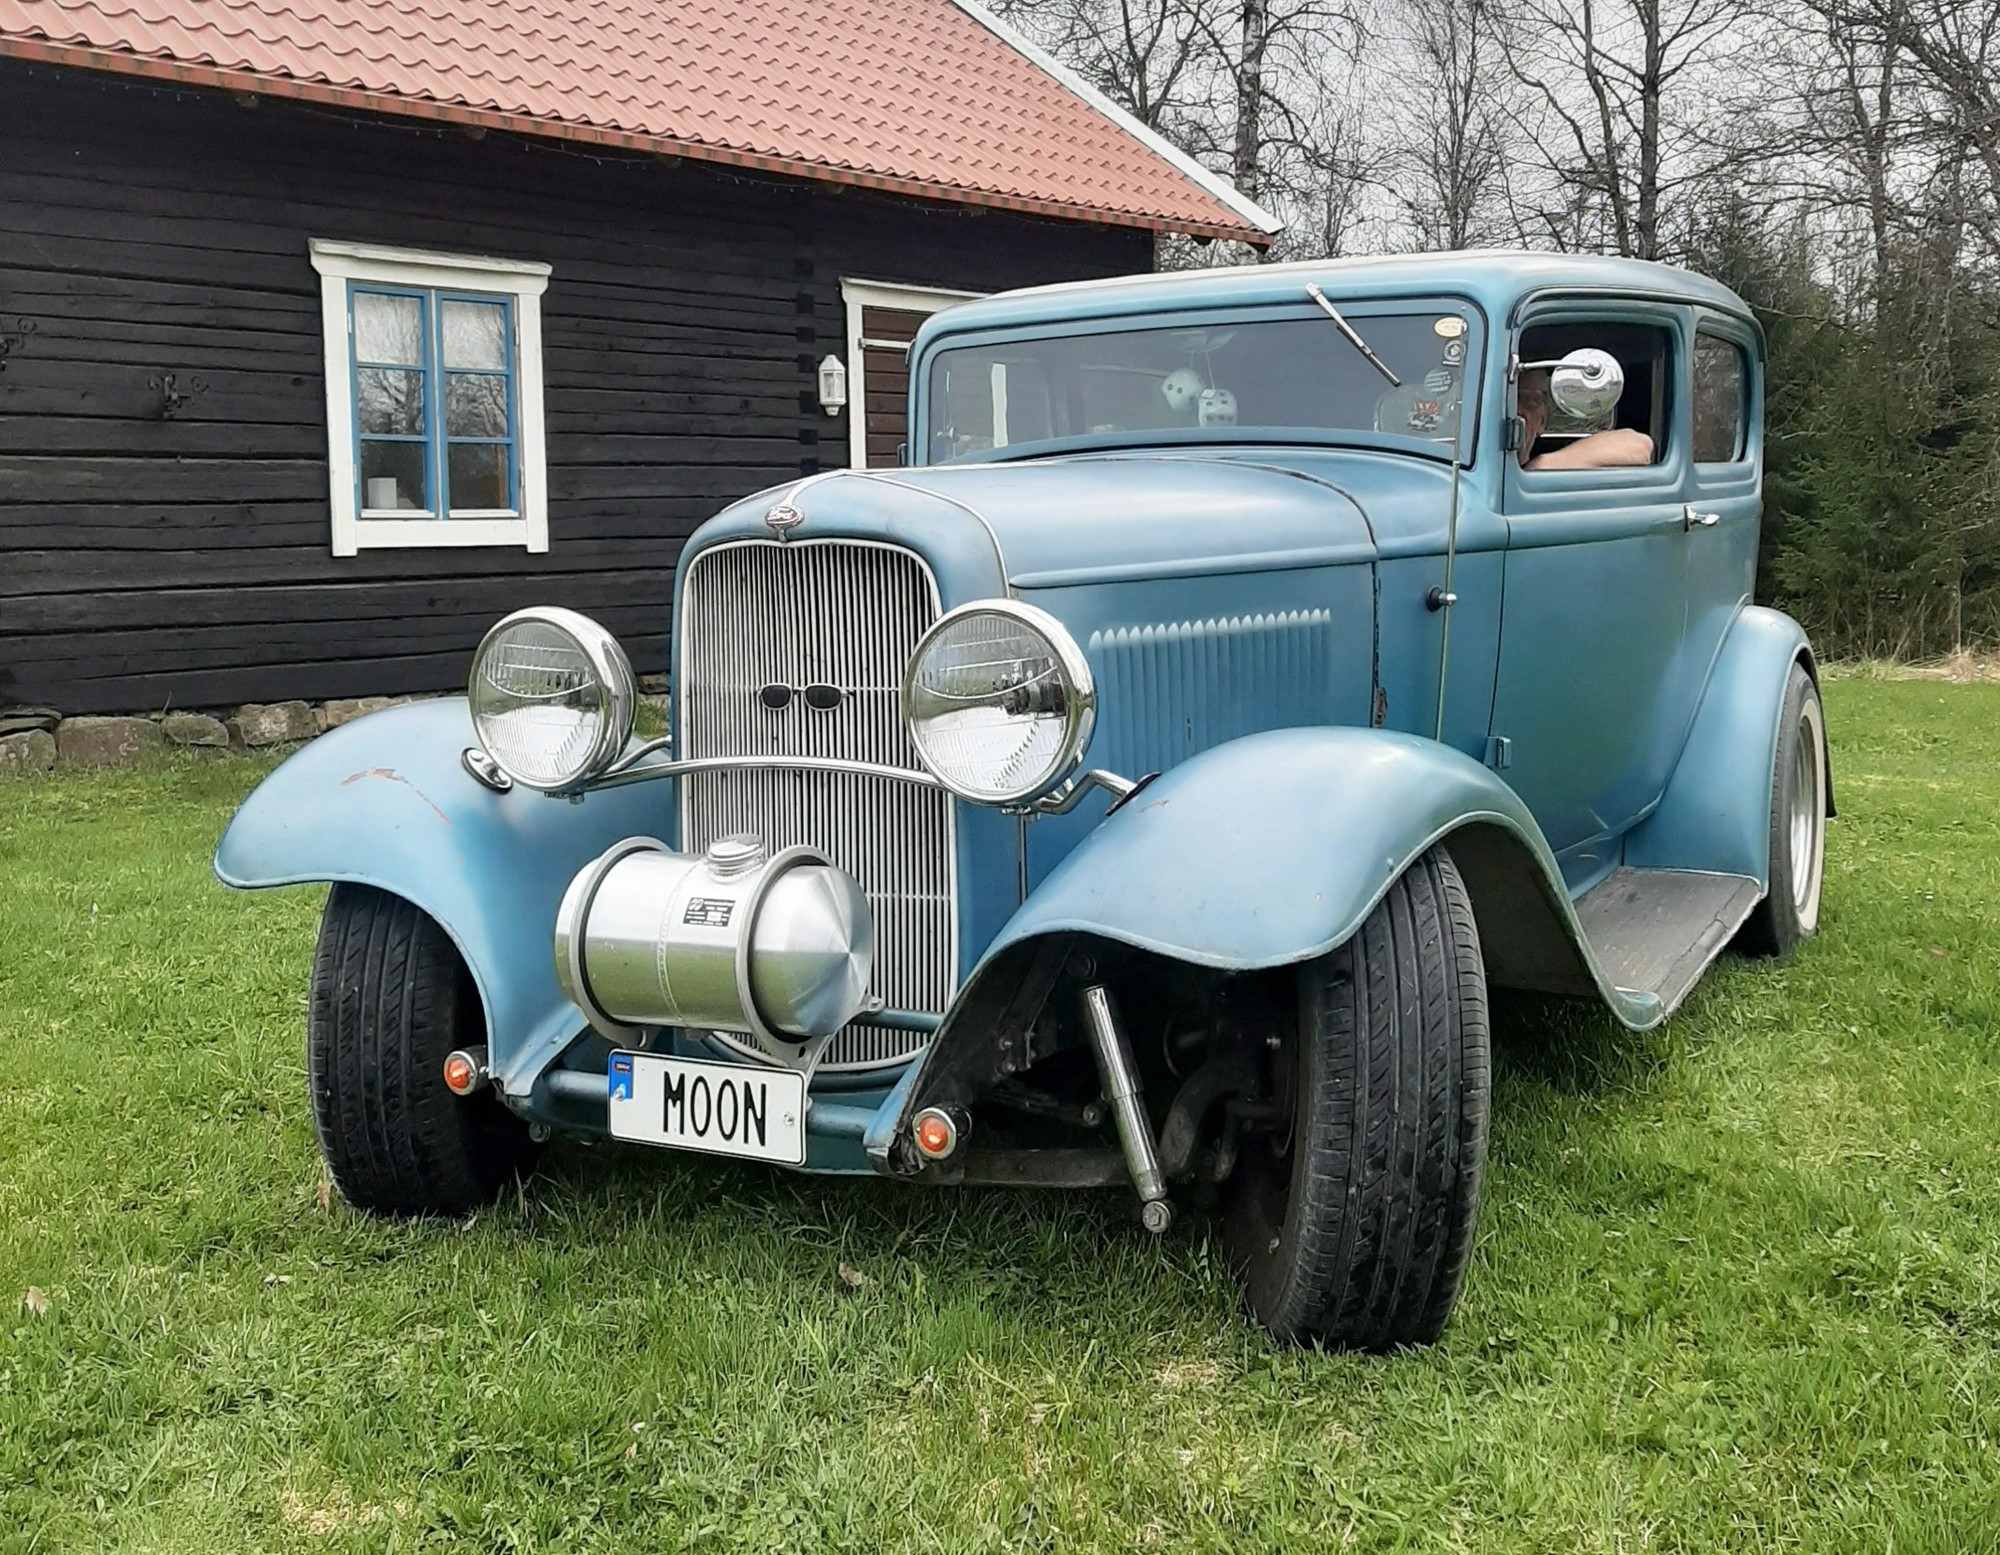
[{"x": 40, "y": 739}]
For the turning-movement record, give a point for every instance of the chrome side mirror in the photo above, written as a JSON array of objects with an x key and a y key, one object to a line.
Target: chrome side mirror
[{"x": 1586, "y": 384}]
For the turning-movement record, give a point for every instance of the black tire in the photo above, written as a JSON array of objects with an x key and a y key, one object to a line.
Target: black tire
[
  {"x": 1790, "y": 909},
  {"x": 391, "y": 997},
  {"x": 1353, "y": 1227}
]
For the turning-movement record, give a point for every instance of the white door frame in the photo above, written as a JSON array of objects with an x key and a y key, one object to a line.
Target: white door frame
[{"x": 857, "y": 295}]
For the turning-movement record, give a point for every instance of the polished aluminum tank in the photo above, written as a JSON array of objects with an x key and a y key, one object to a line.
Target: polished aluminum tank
[{"x": 734, "y": 939}]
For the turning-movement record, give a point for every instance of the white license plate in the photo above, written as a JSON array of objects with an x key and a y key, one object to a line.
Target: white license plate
[{"x": 723, "y": 1109}]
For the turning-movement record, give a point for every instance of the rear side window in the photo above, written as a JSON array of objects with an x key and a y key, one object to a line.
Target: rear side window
[{"x": 1721, "y": 378}]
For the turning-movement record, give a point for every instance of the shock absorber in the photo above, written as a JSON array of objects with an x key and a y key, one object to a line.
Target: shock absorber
[{"x": 1119, "y": 1076}]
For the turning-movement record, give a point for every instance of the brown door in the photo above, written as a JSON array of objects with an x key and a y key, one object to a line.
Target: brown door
[{"x": 884, "y": 399}]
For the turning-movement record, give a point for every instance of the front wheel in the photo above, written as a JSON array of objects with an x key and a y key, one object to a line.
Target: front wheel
[
  {"x": 1790, "y": 909},
  {"x": 1351, "y": 1223},
  {"x": 391, "y": 998}
]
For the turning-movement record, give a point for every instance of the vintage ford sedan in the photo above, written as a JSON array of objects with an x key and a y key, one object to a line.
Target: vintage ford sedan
[{"x": 1140, "y": 788}]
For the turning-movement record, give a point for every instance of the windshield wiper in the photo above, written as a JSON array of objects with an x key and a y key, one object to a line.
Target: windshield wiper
[{"x": 1347, "y": 329}]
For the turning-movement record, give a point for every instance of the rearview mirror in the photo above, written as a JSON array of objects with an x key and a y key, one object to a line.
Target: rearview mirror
[{"x": 1586, "y": 384}]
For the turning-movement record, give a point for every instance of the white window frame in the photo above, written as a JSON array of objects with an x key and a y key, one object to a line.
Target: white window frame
[
  {"x": 857, "y": 295},
  {"x": 338, "y": 265}
]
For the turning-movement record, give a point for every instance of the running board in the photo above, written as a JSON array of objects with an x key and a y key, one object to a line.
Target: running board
[{"x": 1654, "y": 931}]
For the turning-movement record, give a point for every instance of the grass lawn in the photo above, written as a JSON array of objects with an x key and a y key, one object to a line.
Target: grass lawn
[{"x": 1737, "y": 1283}]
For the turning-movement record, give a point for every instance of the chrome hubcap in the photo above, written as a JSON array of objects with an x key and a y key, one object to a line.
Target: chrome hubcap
[{"x": 1806, "y": 816}]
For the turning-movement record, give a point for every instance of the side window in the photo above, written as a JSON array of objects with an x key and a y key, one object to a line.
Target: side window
[
  {"x": 1633, "y": 430},
  {"x": 433, "y": 398},
  {"x": 1721, "y": 400}
]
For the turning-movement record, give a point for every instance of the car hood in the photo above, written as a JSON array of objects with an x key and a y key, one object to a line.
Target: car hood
[
  {"x": 1108, "y": 518},
  {"x": 1081, "y": 519}
]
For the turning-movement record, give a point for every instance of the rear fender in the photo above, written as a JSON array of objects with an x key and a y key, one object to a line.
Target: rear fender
[
  {"x": 1716, "y": 812},
  {"x": 385, "y": 802}
]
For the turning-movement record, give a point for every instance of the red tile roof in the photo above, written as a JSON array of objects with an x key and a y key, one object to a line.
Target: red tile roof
[{"x": 918, "y": 97}]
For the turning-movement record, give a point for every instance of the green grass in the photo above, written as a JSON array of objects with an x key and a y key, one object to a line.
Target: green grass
[{"x": 1736, "y": 1286}]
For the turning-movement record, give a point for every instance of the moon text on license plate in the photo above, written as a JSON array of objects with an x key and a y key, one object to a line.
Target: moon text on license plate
[{"x": 722, "y": 1109}]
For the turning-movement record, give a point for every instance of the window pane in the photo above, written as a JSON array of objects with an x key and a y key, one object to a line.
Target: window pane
[
  {"x": 1646, "y": 358},
  {"x": 392, "y": 477},
  {"x": 479, "y": 476},
  {"x": 388, "y": 329},
  {"x": 475, "y": 334},
  {"x": 475, "y": 405},
  {"x": 391, "y": 401},
  {"x": 1718, "y": 401}
]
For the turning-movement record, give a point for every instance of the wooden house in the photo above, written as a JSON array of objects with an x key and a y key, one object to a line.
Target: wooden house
[{"x": 330, "y": 331}]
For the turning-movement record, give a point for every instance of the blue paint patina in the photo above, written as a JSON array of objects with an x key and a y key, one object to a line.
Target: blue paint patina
[
  {"x": 1257, "y": 612},
  {"x": 385, "y": 802}
]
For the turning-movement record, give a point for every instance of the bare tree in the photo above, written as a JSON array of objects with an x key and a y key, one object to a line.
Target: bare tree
[
  {"x": 1949, "y": 55},
  {"x": 1326, "y": 169},
  {"x": 1247, "y": 160},
  {"x": 1863, "y": 118},
  {"x": 1603, "y": 74},
  {"x": 1447, "y": 164},
  {"x": 1154, "y": 58},
  {"x": 1241, "y": 85}
]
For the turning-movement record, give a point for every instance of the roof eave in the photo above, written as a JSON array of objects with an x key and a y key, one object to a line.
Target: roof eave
[
  {"x": 1260, "y": 221},
  {"x": 360, "y": 99}
]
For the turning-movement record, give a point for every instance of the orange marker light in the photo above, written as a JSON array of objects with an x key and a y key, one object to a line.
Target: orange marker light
[
  {"x": 461, "y": 1075},
  {"x": 936, "y": 1136}
]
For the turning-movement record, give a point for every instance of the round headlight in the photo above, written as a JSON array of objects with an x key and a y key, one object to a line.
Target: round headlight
[
  {"x": 998, "y": 701},
  {"x": 552, "y": 697}
]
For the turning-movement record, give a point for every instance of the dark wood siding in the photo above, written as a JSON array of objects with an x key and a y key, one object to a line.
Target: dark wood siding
[{"x": 164, "y": 534}]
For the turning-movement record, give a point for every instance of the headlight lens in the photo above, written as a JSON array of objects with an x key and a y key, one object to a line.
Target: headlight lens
[
  {"x": 998, "y": 701},
  {"x": 552, "y": 697}
]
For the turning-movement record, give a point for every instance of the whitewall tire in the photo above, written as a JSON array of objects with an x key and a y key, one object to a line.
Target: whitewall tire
[{"x": 1800, "y": 791}]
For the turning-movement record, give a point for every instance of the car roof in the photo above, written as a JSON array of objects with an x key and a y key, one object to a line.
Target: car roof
[{"x": 1496, "y": 279}]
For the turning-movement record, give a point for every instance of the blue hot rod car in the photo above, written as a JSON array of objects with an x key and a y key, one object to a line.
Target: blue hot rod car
[{"x": 1142, "y": 786}]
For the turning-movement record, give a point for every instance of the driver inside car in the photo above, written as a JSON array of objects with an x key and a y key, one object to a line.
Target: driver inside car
[{"x": 1605, "y": 450}]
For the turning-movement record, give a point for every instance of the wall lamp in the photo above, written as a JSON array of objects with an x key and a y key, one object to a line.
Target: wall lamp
[{"x": 832, "y": 384}]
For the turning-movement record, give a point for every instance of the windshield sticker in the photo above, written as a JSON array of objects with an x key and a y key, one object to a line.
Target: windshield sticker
[
  {"x": 1450, "y": 327},
  {"x": 1454, "y": 352},
  {"x": 1438, "y": 380}
]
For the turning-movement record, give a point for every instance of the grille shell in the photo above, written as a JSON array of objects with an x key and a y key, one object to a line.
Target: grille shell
[{"x": 824, "y": 612}]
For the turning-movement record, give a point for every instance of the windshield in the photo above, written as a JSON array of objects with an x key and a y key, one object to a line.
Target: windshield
[{"x": 1210, "y": 383}]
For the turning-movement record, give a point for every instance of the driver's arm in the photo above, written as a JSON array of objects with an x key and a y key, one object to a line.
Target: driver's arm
[{"x": 1600, "y": 451}]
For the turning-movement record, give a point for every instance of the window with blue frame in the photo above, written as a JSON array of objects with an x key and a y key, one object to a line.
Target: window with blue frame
[
  {"x": 434, "y": 398},
  {"x": 436, "y": 423}
]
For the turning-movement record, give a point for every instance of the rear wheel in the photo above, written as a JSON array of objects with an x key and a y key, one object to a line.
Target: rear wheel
[
  {"x": 1790, "y": 909},
  {"x": 391, "y": 998},
  {"x": 1352, "y": 1222}
]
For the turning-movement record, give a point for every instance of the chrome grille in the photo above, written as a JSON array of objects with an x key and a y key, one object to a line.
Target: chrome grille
[{"x": 843, "y": 613}]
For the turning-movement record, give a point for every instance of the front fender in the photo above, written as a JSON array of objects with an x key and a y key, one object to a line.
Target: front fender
[
  {"x": 1263, "y": 852},
  {"x": 385, "y": 802},
  {"x": 1272, "y": 849}
]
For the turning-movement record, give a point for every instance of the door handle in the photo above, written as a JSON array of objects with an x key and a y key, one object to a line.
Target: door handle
[{"x": 1692, "y": 520}]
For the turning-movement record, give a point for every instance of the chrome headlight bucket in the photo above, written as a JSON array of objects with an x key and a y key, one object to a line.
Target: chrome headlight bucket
[
  {"x": 552, "y": 697},
  {"x": 999, "y": 702}
]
